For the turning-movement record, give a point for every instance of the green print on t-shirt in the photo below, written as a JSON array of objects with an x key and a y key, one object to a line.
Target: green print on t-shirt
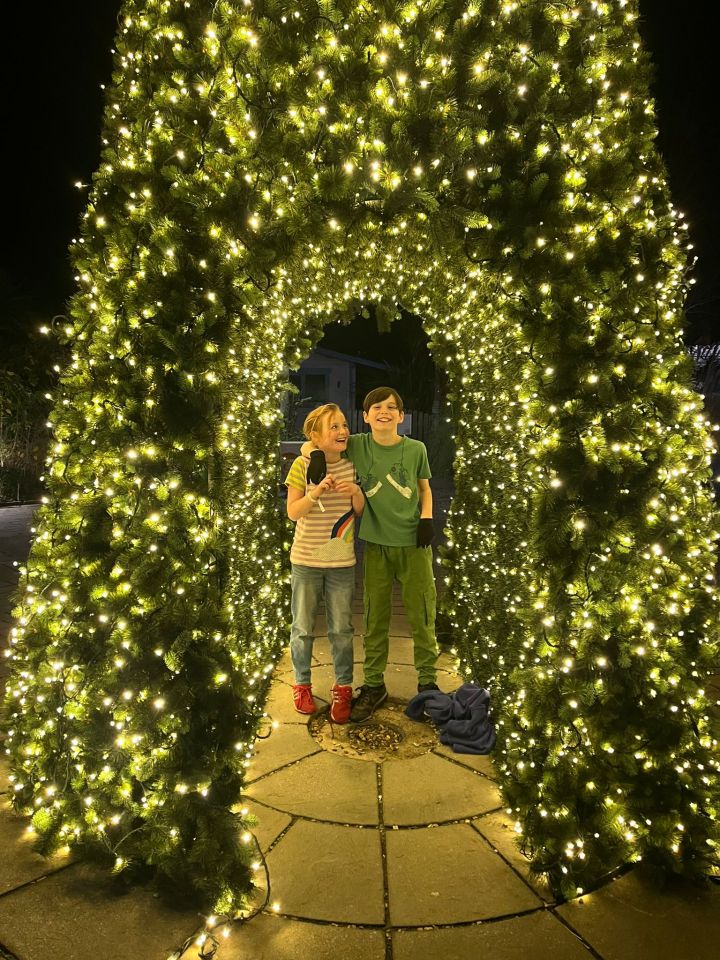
[{"x": 389, "y": 476}]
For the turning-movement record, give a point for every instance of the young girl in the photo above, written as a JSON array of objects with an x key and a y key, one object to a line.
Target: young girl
[{"x": 323, "y": 558}]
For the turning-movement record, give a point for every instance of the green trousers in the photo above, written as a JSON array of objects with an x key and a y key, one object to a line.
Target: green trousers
[{"x": 412, "y": 567}]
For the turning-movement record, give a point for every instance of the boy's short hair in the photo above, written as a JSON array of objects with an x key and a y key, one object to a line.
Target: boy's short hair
[
  {"x": 313, "y": 421},
  {"x": 382, "y": 393}
]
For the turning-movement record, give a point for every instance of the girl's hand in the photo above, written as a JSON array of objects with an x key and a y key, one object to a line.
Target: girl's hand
[
  {"x": 325, "y": 484},
  {"x": 347, "y": 487}
]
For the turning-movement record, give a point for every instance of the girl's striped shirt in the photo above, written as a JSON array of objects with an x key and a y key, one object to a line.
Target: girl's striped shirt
[{"x": 324, "y": 539}]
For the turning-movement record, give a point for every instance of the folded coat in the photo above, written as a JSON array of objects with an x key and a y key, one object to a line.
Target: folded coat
[{"x": 461, "y": 717}]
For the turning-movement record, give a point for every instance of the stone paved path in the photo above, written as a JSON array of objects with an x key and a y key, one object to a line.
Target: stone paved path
[{"x": 399, "y": 859}]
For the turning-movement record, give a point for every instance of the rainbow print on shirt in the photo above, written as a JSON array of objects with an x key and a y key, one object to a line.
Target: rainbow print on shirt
[{"x": 343, "y": 528}]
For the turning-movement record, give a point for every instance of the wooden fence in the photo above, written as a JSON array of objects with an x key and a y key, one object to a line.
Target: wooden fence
[
  {"x": 707, "y": 367},
  {"x": 706, "y": 378}
]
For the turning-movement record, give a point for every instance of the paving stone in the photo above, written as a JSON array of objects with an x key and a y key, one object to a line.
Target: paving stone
[
  {"x": 401, "y": 649},
  {"x": 447, "y": 679},
  {"x": 321, "y": 625},
  {"x": 448, "y": 662},
  {"x": 19, "y": 863},
  {"x": 324, "y": 786},
  {"x": 284, "y": 670},
  {"x": 287, "y": 743},
  {"x": 631, "y": 919},
  {"x": 78, "y": 914},
  {"x": 312, "y": 875},
  {"x": 450, "y": 875},
  {"x": 401, "y": 681},
  {"x": 274, "y": 938},
  {"x": 499, "y": 830},
  {"x": 270, "y": 825},
  {"x": 279, "y": 704},
  {"x": 284, "y": 661},
  {"x": 399, "y": 626},
  {"x": 539, "y": 936},
  {"x": 483, "y": 763},
  {"x": 429, "y": 789}
]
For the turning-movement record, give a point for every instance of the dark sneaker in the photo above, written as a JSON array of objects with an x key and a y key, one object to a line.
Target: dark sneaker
[
  {"x": 422, "y": 687},
  {"x": 367, "y": 703}
]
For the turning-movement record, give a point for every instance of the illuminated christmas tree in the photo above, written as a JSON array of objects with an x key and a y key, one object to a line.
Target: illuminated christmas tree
[{"x": 268, "y": 168}]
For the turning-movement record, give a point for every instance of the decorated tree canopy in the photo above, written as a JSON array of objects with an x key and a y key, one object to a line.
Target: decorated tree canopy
[{"x": 272, "y": 167}]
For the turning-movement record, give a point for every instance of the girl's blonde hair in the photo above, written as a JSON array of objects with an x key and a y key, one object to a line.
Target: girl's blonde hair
[{"x": 314, "y": 420}]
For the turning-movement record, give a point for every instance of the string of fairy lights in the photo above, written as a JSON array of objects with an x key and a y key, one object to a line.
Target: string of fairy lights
[{"x": 267, "y": 171}]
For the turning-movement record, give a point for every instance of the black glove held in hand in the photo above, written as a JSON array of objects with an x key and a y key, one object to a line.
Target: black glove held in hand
[
  {"x": 317, "y": 469},
  {"x": 425, "y": 532}
]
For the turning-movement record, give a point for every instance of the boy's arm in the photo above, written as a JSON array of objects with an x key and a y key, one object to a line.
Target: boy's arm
[
  {"x": 426, "y": 499},
  {"x": 308, "y": 446},
  {"x": 425, "y": 529}
]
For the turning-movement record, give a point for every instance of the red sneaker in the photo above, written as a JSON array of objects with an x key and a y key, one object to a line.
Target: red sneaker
[
  {"x": 341, "y": 697},
  {"x": 302, "y": 695}
]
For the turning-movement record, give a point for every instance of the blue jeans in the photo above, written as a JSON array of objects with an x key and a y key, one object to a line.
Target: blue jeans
[{"x": 337, "y": 585}]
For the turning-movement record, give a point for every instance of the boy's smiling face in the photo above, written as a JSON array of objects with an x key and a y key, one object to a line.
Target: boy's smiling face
[{"x": 384, "y": 416}]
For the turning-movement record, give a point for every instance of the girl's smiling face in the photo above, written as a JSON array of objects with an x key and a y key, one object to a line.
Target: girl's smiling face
[{"x": 332, "y": 437}]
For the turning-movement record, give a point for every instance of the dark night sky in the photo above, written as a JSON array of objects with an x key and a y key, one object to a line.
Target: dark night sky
[{"x": 52, "y": 118}]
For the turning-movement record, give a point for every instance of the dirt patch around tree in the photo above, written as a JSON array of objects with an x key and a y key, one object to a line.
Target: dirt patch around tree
[{"x": 389, "y": 735}]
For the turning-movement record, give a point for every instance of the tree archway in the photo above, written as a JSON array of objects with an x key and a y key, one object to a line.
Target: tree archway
[{"x": 490, "y": 166}]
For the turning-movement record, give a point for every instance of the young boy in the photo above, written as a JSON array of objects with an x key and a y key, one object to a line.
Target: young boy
[{"x": 397, "y": 528}]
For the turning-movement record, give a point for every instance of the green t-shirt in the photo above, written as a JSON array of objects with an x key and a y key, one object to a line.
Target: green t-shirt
[{"x": 389, "y": 476}]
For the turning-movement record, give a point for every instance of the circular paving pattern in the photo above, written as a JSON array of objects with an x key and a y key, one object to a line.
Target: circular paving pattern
[{"x": 389, "y": 735}]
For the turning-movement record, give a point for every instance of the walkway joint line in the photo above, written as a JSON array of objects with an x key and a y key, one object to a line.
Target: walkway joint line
[
  {"x": 479, "y": 773},
  {"x": 414, "y": 927},
  {"x": 578, "y": 936},
  {"x": 508, "y": 863},
  {"x": 31, "y": 883},
  {"x": 283, "y": 766},
  {"x": 383, "y": 860}
]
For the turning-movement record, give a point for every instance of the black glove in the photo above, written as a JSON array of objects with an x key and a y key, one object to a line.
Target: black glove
[
  {"x": 317, "y": 468},
  {"x": 425, "y": 532}
]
